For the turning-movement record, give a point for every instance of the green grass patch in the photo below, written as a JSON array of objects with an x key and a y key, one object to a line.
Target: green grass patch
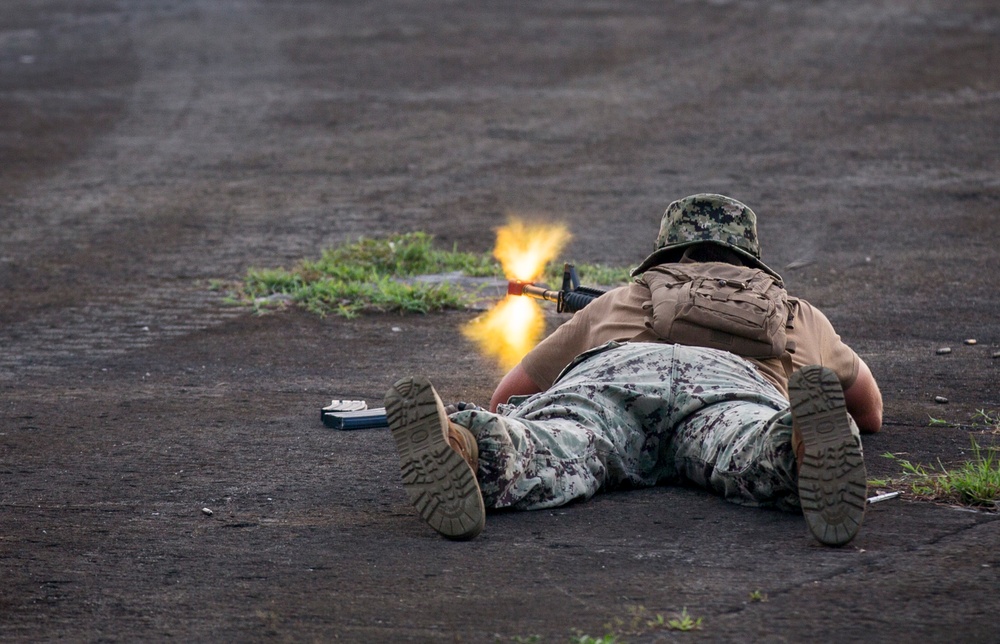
[
  {"x": 376, "y": 275},
  {"x": 975, "y": 483}
]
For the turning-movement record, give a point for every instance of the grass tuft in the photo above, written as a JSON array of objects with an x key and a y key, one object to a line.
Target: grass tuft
[
  {"x": 982, "y": 421},
  {"x": 684, "y": 622},
  {"x": 974, "y": 483},
  {"x": 375, "y": 275}
]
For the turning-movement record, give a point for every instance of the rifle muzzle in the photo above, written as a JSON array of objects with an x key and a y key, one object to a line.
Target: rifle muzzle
[{"x": 517, "y": 287}]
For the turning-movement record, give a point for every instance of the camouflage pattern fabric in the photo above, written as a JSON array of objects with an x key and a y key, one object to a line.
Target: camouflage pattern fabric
[
  {"x": 708, "y": 218},
  {"x": 640, "y": 414}
]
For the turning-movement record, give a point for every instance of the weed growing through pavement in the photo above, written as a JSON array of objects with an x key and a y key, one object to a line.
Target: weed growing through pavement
[
  {"x": 684, "y": 622},
  {"x": 639, "y": 622},
  {"x": 376, "y": 275},
  {"x": 974, "y": 483},
  {"x": 608, "y": 638},
  {"x": 988, "y": 420},
  {"x": 982, "y": 420},
  {"x": 758, "y": 596}
]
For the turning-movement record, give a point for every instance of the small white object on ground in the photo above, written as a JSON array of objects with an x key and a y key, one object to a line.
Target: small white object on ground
[{"x": 883, "y": 497}]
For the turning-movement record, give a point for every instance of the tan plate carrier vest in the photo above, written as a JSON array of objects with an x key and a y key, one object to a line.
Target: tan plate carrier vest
[{"x": 712, "y": 304}]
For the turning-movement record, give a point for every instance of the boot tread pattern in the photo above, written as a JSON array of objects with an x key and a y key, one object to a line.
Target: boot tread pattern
[
  {"x": 832, "y": 477},
  {"x": 438, "y": 481}
]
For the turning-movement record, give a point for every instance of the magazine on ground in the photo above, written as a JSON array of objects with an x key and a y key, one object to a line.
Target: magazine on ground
[{"x": 353, "y": 414}]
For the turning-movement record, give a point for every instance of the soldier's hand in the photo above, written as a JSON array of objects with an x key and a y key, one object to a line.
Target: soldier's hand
[{"x": 454, "y": 408}]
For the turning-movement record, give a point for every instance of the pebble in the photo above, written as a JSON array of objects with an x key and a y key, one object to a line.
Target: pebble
[
  {"x": 944, "y": 351},
  {"x": 207, "y": 511},
  {"x": 970, "y": 341},
  {"x": 941, "y": 400}
]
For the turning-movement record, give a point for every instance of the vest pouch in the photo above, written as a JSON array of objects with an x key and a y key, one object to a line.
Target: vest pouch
[{"x": 734, "y": 308}]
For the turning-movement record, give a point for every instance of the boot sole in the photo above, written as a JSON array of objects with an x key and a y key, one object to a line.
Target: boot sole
[
  {"x": 833, "y": 483},
  {"x": 439, "y": 482}
]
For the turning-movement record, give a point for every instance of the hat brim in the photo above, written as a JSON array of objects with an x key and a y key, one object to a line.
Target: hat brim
[{"x": 662, "y": 255}]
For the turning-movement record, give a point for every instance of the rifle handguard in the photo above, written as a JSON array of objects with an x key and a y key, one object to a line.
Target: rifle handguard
[{"x": 573, "y": 301}]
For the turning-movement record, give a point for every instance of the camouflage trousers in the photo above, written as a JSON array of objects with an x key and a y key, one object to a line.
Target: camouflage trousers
[{"x": 635, "y": 415}]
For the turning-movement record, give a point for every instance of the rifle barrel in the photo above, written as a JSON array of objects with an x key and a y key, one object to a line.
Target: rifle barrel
[
  {"x": 540, "y": 293},
  {"x": 569, "y": 301}
]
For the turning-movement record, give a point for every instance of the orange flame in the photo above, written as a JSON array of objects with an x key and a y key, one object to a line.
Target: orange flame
[
  {"x": 513, "y": 327},
  {"x": 524, "y": 249}
]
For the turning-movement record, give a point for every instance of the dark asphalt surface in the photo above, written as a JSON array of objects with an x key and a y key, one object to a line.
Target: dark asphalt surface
[{"x": 149, "y": 151}]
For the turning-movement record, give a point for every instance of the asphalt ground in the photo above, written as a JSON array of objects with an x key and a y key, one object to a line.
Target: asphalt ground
[{"x": 152, "y": 151}]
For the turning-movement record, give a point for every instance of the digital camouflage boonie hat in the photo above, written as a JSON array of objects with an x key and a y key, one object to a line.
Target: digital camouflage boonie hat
[{"x": 707, "y": 218}]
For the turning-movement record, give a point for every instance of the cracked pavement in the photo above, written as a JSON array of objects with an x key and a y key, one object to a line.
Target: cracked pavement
[{"x": 150, "y": 152}]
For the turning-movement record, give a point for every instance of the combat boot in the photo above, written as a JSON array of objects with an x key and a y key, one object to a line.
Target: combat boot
[
  {"x": 437, "y": 458},
  {"x": 462, "y": 441},
  {"x": 832, "y": 480}
]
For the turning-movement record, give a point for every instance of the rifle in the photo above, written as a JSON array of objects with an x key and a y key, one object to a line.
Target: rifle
[
  {"x": 569, "y": 299},
  {"x": 355, "y": 414}
]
